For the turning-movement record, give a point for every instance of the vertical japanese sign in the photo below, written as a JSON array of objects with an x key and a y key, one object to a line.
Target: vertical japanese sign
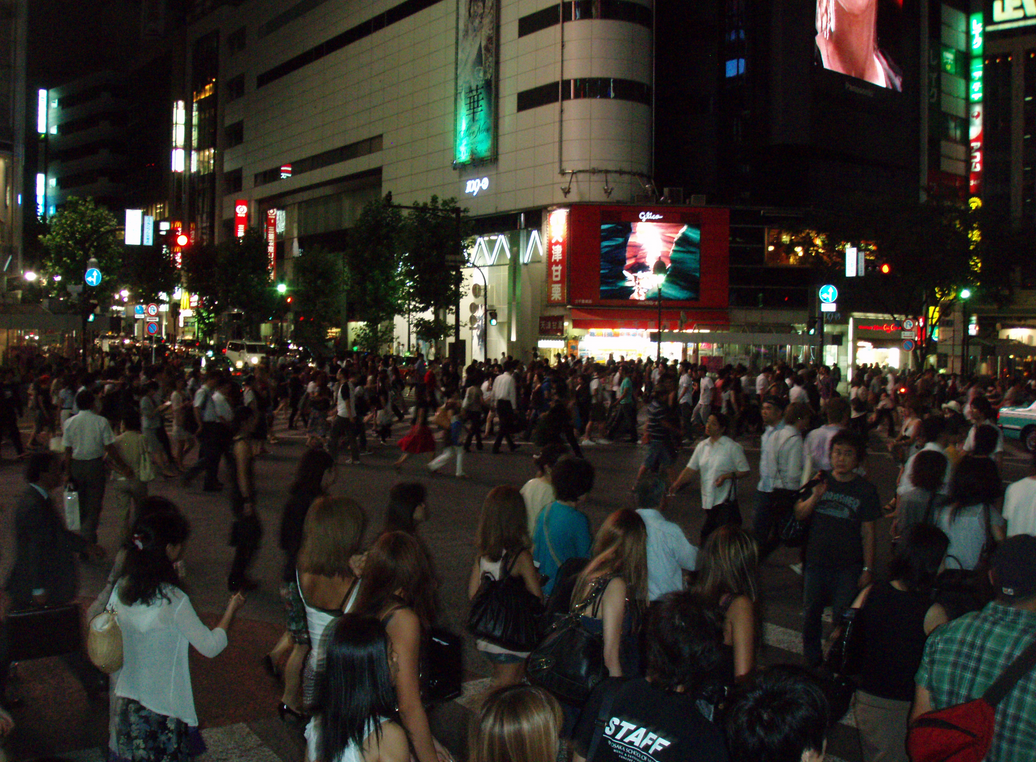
[
  {"x": 557, "y": 237},
  {"x": 975, "y": 129},
  {"x": 240, "y": 217},
  {"x": 476, "y": 73},
  {"x": 271, "y": 240}
]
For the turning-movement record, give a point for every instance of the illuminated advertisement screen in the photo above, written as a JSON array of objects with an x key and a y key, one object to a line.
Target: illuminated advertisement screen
[
  {"x": 630, "y": 251},
  {"x": 862, "y": 39},
  {"x": 611, "y": 253}
]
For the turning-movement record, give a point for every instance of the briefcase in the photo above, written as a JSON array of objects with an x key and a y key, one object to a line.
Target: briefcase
[{"x": 42, "y": 632}]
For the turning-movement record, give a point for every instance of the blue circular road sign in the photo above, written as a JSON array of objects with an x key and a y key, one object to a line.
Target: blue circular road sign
[
  {"x": 828, "y": 294},
  {"x": 152, "y": 328},
  {"x": 908, "y": 345},
  {"x": 93, "y": 277}
]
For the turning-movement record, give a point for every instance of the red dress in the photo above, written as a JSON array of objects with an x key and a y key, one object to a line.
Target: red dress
[{"x": 419, "y": 439}]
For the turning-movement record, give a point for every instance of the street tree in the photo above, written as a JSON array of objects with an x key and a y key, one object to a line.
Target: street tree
[
  {"x": 79, "y": 232},
  {"x": 316, "y": 291},
  {"x": 374, "y": 272},
  {"x": 433, "y": 233},
  {"x": 233, "y": 276}
]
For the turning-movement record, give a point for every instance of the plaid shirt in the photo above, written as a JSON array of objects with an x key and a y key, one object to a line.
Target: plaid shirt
[{"x": 963, "y": 658}]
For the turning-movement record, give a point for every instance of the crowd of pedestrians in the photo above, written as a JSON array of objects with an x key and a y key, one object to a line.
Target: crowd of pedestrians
[{"x": 677, "y": 623}]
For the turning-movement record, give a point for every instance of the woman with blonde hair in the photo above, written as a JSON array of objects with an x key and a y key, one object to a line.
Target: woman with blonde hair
[
  {"x": 612, "y": 590},
  {"x": 728, "y": 578},
  {"x": 398, "y": 589},
  {"x": 503, "y": 548},
  {"x": 519, "y": 723},
  {"x": 331, "y": 534}
]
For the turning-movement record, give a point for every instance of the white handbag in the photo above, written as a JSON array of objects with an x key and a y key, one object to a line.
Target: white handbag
[{"x": 72, "y": 520}]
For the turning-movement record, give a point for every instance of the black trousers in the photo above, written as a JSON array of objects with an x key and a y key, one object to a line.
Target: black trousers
[{"x": 505, "y": 424}]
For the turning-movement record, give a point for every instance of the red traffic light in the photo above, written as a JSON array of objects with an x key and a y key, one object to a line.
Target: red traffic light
[
  {"x": 885, "y": 268},
  {"x": 181, "y": 239}
]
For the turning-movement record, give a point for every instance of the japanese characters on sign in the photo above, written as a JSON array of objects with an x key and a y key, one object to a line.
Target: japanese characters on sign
[
  {"x": 271, "y": 240},
  {"x": 557, "y": 235}
]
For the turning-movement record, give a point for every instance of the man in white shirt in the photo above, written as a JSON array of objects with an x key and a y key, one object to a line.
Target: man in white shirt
[
  {"x": 762, "y": 382},
  {"x": 685, "y": 400},
  {"x": 87, "y": 439},
  {"x": 214, "y": 415},
  {"x": 505, "y": 397},
  {"x": 669, "y": 553},
  {"x": 933, "y": 432},
  {"x": 706, "y": 386},
  {"x": 1020, "y": 505},
  {"x": 780, "y": 474}
]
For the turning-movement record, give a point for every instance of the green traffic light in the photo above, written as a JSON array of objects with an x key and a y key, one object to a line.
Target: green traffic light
[
  {"x": 965, "y": 293},
  {"x": 281, "y": 288}
]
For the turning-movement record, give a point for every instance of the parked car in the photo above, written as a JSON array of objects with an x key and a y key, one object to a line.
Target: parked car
[
  {"x": 1019, "y": 423},
  {"x": 242, "y": 354}
]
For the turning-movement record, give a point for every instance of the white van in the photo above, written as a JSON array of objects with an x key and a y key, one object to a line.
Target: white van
[{"x": 244, "y": 354}]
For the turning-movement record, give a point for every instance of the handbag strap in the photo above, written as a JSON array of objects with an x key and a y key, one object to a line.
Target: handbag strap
[
  {"x": 608, "y": 693},
  {"x": 1025, "y": 661},
  {"x": 546, "y": 534}
]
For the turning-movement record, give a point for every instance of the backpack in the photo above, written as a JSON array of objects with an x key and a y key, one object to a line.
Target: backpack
[{"x": 964, "y": 732}]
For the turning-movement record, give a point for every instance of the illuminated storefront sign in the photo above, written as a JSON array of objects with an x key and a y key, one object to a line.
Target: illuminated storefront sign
[
  {"x": 472, "y": 187},
  {"x": 557, "y": 236},
  {"x": 475, "y": 97},
  {"x": 271, "y": 240},
  {"x": 975, "y": 129},
  {"x": 240, "y": 217},
  {"x": 1011, "y": 14}
]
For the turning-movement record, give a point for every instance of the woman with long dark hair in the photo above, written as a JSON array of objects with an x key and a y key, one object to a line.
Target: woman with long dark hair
[
  {"x": 357, "y": 719},
  {"x": 314, "y": 475},
  {"x": 154, "y": 715},
  {"x": 892, "y": 622},
  {"x": 398, "y": 588},
  {"x": 970, "y": 519}
]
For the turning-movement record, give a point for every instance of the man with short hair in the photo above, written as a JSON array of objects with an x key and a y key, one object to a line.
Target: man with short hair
[
  {"x": 627, "y": 416},
  {"x": 780, "y": 474},
  {"x": 818, "y": 441},
  {"x": 841, "y": 547},
  {"x": 213, "y": 414},
  {"x": 963, "y": 658},
  {"x": 706, "y": 389},
  {"x": 669, "y": 554},
  {"x": 505, "y": 401},
  {"x": 781, "y": 714},
  {"x": 656, "y": 718},
  {"x": 87, "y": 439}
]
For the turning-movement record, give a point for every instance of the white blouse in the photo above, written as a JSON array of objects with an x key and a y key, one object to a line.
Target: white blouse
[{"x": 155, "y": 640}]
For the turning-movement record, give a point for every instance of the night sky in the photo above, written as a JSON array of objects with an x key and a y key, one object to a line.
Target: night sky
[{"x": 70, "y": 38}]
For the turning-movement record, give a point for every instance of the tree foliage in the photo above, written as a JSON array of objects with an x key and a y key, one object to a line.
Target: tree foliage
[
  {"x": 316, "y": 291},
  {"x": 373, "y": 258},
  {"x": 78, "y": 232},
  {"x": 434, "y": 230},
  {"x": 233, "y": 275}
]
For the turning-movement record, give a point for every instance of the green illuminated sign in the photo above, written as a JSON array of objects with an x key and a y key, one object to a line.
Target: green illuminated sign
[
  {"x": 949, "y": 60},
  {"x": 975, "y": 85},
  {"x": 475, "y": 99},
  {"x": 975, "y": 33}
]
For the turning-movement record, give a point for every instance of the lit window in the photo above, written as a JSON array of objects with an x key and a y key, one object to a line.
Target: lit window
[{"x": 735, "y": 67}]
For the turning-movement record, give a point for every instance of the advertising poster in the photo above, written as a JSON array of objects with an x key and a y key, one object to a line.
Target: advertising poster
[
  {"x": 476, "y": 87},
  {"x": 862, "y": 39}
]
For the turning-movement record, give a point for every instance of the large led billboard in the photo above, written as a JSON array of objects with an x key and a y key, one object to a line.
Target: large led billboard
[
  {"x": 862, "y": 39},
  {"x": 613, "y": 250}
]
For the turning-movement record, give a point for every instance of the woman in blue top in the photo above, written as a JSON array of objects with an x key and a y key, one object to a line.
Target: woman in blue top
[{"x": 563, "y": 531}]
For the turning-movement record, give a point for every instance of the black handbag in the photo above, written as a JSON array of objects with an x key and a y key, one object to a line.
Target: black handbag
[
  {"x": 43, "y": 632},
  {"x": 504, "y": 612},
  {"x": 846, "y": 653},
  {"x": 442, "y": 666},
  {"x": 569, "y": 661}
]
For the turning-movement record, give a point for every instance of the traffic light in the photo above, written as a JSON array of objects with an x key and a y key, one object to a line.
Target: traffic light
[
  {"x": 885, "y": 268},
  {"x": 812, "y": 326},
  {"x": 492, "y": 317}
]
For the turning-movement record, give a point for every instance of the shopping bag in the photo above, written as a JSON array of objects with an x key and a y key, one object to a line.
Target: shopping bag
[{"x": 72, "y": 520}]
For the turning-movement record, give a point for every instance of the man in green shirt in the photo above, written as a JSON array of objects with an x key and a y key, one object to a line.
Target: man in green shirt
[{"x": 963, "y": 658}]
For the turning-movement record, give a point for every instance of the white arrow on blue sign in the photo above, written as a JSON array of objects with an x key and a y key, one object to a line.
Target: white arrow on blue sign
[
  {"x": 93, "y": 277},
  {"x": 828, "y": 294}
]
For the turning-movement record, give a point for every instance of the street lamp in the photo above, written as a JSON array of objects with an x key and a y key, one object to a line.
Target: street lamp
[
  {"x": 30, "y": 276},
  {"x": 659, "y": 271}
]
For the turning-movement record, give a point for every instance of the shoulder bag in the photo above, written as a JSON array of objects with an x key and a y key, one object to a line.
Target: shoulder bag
[
  {"x": 104, "y": 641},
  {"x": 38, "y": 633},
  {"x": 569, "y": 661},
  {"x": 504, "y": 612},
  {"x": 441, "y": 418},
  {"x": 964, "y": 732}
]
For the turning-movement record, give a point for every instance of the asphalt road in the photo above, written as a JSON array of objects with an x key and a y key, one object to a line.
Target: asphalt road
[{"x": 238, "y": 708}]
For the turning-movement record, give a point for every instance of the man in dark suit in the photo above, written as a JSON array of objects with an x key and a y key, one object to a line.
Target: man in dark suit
[{"x": 38, "y": 565}]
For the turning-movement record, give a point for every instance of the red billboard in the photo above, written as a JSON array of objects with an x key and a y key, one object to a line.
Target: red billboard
[{"x": 612, "y": 253}]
